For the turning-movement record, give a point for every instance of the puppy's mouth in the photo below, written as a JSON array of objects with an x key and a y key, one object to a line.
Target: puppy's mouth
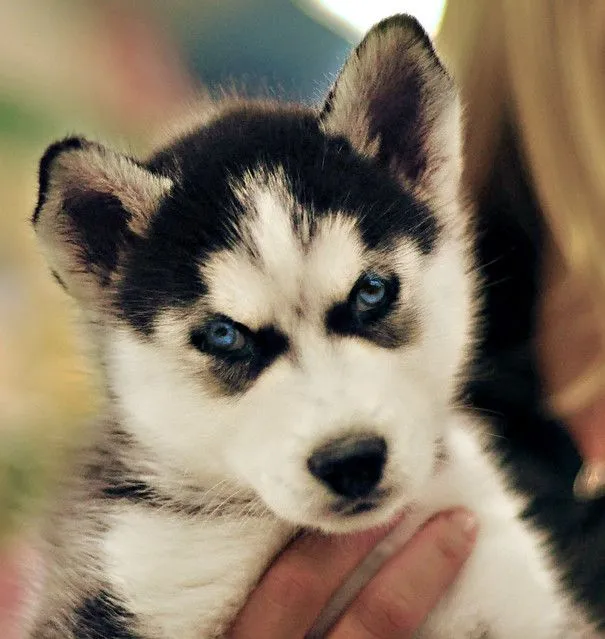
[
  {"x": 352, "y": 507},
  {"x": 358, "y": 509}
]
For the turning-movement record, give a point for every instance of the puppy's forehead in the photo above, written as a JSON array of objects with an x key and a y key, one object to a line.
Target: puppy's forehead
[
  {"x": 263, "y": 181},
  {"x": 286, "y": 262}
]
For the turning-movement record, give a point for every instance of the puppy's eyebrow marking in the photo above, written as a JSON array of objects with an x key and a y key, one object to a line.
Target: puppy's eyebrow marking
[
  {"x": 237, "y": 288},
  {"x": 268, "y": 231}
]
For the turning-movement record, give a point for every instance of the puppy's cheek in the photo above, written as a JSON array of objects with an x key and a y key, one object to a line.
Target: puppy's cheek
[
  {"x": 259, "y": 466},
  {"x": 290, "y": 496}
]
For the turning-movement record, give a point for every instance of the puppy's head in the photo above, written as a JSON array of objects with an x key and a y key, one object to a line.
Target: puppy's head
[{"x": 285, "y": 293}]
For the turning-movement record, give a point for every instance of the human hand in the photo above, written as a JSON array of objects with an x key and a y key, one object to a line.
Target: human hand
[{"x": 393, "y": 604}]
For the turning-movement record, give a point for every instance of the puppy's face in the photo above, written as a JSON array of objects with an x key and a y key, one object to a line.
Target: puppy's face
[{"x": 284, "y": 293}]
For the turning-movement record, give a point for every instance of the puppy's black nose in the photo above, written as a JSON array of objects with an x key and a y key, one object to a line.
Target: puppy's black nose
[{"x": 351, "y": 466}]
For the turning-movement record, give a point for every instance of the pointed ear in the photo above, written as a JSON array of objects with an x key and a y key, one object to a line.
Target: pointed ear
[
  {"x": 93, "y": 205},
  {"x": 395, "y": 103}
]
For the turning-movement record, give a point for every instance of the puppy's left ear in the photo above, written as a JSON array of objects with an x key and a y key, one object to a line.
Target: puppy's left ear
[
  {"x": 94, "y": 205},
  {"x": 396, "y": 103}
]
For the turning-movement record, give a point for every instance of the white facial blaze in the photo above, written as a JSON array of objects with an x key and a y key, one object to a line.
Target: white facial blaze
[
  {"x": 272, "y": 235},
  {"x": 277, "y": 272},
  {"x": 336, "y": 258}
]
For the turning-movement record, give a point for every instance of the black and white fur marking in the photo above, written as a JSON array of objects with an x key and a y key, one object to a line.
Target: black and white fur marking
[{"x": 248, "y": 382}]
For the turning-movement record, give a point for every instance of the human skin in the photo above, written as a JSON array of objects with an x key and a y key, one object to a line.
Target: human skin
[
  {"x": 393, "y": 604},
  {"x": 570, "y": 354}
]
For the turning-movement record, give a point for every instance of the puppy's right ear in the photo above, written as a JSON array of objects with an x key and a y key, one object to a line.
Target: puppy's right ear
[
  {"x": 396, "y": 104},
  {"x": 93, "y": 205}
]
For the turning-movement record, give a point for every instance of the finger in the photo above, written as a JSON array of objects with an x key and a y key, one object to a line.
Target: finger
[
  {"x": 396, "y": 602},
  {"x": 300, "y": 583}
]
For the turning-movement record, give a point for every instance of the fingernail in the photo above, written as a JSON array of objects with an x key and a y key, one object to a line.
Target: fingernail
[
  {"x": 464, "y": 527},
  {"x": 590, "y": 481}
]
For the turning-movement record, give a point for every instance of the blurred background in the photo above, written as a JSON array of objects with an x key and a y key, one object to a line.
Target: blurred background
[{"x": 115, "y": 70}]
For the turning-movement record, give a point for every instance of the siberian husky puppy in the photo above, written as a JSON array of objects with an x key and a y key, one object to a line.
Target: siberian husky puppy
[{"x": 283, "y": 301}]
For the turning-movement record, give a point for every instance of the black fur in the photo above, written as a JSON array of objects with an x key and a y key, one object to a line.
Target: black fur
[
  {"x": 537, "y": 450},
  {"x": 133, "y": 490},
  {"x": 406, "y": 117},
  {"x": 101, "y": 223},
  {"x": 59, "y": 280},
  {"x": 101, "y": 616},
  {"x": 326, "y": 175}
]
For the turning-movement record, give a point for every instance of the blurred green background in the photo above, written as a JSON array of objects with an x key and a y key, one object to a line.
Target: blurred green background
[{"x": 115, "y": 71}]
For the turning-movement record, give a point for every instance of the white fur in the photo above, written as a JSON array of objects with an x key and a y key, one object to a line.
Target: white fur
[
  {"x": 508, "y": 577},
  {"x": 185, "y": 578}
]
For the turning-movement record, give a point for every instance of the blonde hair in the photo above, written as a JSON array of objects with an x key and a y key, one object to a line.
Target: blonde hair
[{"x": 541, "y": 63}]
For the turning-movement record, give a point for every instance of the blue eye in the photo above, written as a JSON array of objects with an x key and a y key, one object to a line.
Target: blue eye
[
  {"x": 222, "y": 335},
  {"x": 371, "y": 293}
]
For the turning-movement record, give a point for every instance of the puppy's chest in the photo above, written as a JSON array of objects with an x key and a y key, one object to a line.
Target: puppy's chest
[
  {"x": 182, "y": 577},
  {"x": 509, "y": 575}
]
